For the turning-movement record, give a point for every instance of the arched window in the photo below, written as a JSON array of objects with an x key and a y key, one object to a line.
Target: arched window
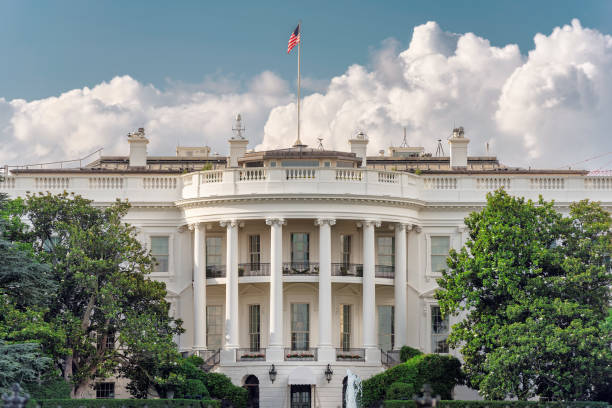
[
  {"x": 251, "y": 384},
  {"x": 344, "y": 384}
]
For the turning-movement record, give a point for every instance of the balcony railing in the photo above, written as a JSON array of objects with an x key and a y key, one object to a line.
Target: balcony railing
[
  {"x": 300, "y": 268},
  {"x": 215, "y": 271},
  {"x": 254, "y": 269},
  {"x": 247, "y": 354},
  {"x": 301, "y": 355},
  {"x": 347, "y": 269},
  {"x": 390, "y": 358},
  {"x": 350, "y": 354},
  {"x": 385, "y": 271}
]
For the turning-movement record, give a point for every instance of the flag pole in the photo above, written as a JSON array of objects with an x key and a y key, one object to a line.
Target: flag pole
[{"x": 298, "y": 142}]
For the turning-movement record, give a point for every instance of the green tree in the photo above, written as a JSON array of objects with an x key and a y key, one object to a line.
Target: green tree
[
  {"x": 534, "y": 289},
  {"x": 100, "y": 269}
]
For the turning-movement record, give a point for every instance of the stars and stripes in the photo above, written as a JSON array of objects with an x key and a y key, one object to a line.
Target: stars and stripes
[{"x": 294, "y": 39}]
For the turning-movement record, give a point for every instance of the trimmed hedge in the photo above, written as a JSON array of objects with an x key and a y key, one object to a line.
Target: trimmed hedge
[
  {"x": 502, "y": 404},
  {"x": 220, "y": 386},
  {"x": 406, "y": 353},
  {"x": 123, "y": 403}
]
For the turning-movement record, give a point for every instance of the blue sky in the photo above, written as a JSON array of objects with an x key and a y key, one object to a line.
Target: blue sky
[{"x": 47, "y": 47}]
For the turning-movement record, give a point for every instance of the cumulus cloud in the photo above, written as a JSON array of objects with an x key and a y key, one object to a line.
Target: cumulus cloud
[{"x": 545, "y": 108}]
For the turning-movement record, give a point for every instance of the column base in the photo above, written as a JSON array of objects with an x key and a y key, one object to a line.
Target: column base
[
  {"x": 228, "y": 356},
  {"x": 274, "y": 354},
  {"x": 326, "y": 354},
  {"x": 372, "y": 355}
]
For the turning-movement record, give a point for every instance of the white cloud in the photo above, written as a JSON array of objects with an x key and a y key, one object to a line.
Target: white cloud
[{"x": 546, "y": 108}]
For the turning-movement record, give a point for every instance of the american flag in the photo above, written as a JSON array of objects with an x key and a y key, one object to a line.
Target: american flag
[{"x": 294, "y": 39}]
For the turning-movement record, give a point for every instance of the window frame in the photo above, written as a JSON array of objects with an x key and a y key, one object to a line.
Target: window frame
[
  {"x": 432, "y": 335},
  {"x": 293, "y": 332},
  {"x": 111, "y": 390},
  {"x": 379, "y": 254},
  {"x": 221, "y": 325},
  {"x": 209, "y": 252},
  {"x": 378, "y": 321},
  {"x": 168, "y": 255},
  {"x": 306, "y": 252},
  {"x": 346, "y": 336},
  {"x": 254, "y": 335}
]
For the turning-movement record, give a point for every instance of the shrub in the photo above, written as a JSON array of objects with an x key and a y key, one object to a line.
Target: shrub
[
  {"x": 122, "y": 403},
  {"x": 442, "y": 372},
  {"x": 220, "y": 386},
  {"x": 400, "y": 391},
  {"x": 55, "y": 389},
  {"x": 192, "y": 388},
  {"x": 406, "y": 353}
]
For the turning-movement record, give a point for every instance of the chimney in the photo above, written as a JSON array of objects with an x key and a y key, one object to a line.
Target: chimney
[
  {"x": 359, "y": 146},
  {"x": 138, "y": 148},
  {"x": 458, "y": 149},
  {"x": 238, "y": 144}
]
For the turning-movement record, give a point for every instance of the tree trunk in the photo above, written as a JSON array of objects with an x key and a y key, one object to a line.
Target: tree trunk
[{"x": 68, "y": 368}]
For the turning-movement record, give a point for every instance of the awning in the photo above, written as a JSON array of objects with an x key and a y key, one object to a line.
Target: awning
[{"x": 301, "y": 376}]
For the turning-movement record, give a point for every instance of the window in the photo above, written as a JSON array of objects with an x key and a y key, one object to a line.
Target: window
[
  {"x": 110, "y": 340},
  {"x": 300, "y": 331},
  {"x": 326, "y": 164},
  {"x": 299, "y": 248},
  {"x": 386, "y": 251},
  {"x": 214, "y": 327},
  {"x": 300, "y": 163},
  {"x": 386, "y": 328},
  {"x": 346, "y": 249},
  {"x": 345, "y": 327},
  {"x": 254, "y": 251},
  {"x": 214, "y": 255},
  {"x": 272, "y": 164},
  {"x": 159, "y": 250},
  {"x": 439, "y": 331},
  {"x": 105, "y": 390},
  {"x": 254, "y": 327},
  {"x": 439, "y": 252}
]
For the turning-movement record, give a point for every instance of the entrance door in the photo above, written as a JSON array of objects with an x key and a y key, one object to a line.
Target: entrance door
[{"x": 300, "y": 396}]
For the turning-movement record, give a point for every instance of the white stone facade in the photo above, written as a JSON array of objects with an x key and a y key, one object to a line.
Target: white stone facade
[{"x": 397, "y": 222}]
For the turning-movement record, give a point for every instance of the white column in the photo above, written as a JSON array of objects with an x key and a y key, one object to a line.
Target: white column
[
  {"x": 326, "y": 349},
  {"x": 232, "y": 315},
  {"x": 275, "y": 350},
  {"x": 400, "y": 286},
  {"x": 199, "y": 286},
  {"x": 370, "y": 342}
]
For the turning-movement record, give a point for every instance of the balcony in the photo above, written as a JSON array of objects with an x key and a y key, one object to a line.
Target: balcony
[
  {"x": 350, "y": 354},
  {"x": 254, "y": 269},
  {"x": 300, "y": 268},
  {"x": 249, "y": 354},
  {"x": 301, "y": 355},
  {"x": 215, "y": 271},
  {"x": 347, "y": 269},
  {"x": 385, "y": 271}
]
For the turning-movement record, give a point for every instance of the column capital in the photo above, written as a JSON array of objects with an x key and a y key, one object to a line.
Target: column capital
[
  {"x": 400, "y": 226},
  {"x": 462, "y": 228},
  {"x": 229, "y": 223},
  {"x": 322, "y": 221},
  {"x": 182, "y": 228},
  {"x": 369, "y": 223},
  {"x": 275, "y": 221},
  {"x": 417, "y": 228}
]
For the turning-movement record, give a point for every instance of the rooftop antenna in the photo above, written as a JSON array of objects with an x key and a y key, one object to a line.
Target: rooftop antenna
[
  {"x": 440, "y": 149},
  {"x": 320, "y": 146},
  {"x": 238, "y": 127},
  {"x": 404, "y": 142}
]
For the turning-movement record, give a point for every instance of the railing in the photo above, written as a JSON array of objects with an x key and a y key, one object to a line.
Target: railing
[
  {"x": 52, "y": 182},
  {"x": 213, "y": 176},
  {"x": 103, "y": 183},
  {"x": 300, "y": 268},
  {"x": 254, "y": 269},
  {"x": 7, "y": 182},
  {"x": 300, "y": 174},
  {"x": 301, "y": 355},
  {"x": 344, "y": 269},
  {"x": 349, "y": 175},
  {"x": 492, "y": 183},
  {"x": 390, "y": 358},
  {"x": 350, "y": 354},
  {"x": 159, "y": 183},
  {"x": 247, "y": 354},
  {"x": 211, "y": 358},
  {"x": 385, "y": 271},
  {"x": 253, "y": 174},
  {"x": 547, "y": 183},
  {"x": 440, "y": 183},
  {"x": 215, "y": 271},
  {"x": 598, "y": 183}
]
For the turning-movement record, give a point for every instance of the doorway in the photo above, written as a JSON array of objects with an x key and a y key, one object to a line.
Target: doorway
[
  {"x": 300, "y": 396},
  {"x": 252, "y": 386}
]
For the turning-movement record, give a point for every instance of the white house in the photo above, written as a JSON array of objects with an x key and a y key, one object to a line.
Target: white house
[{"x": 290, "y": 263}]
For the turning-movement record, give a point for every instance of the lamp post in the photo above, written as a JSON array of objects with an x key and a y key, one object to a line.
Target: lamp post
[
  {"x": 272, "y": 373},
  {"x": 328, "y": 373}
]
